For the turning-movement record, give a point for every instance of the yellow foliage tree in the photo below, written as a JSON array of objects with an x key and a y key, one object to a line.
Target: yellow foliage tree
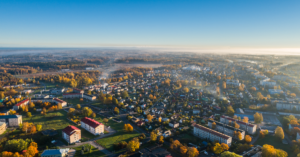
[
  {"x": 217, "y": 149},
  {"x": 153, "y": 136},
  {"x": 161, "y": 139},
  {"x": 279, "y": 133},
  {"x": 193, "y": 152},
  {"x": 248, "y": 139},
  {"x": 183, "y": 150}
]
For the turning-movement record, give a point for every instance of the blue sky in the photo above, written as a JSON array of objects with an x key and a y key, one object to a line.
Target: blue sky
[{"x": 150, "y": 23}]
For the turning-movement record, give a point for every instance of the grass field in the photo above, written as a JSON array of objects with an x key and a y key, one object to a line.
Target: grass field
[
  {"x": 94, "y": 152},
  {"x": 108, "y": 142},
  {"x": 271, "y": 140}
]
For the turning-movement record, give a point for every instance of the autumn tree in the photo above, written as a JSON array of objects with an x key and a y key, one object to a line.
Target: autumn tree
[
  {"x": 32, "y": 129},
  {"x": 94, "y": 115},
  {"x": 253, "y": 89},
  {"x": 133, "y": 145},
  {"x": 159, "y": 119},
  {"x": 248, "y": 139},
  {"x": 183, "y": 150},
  {"x": 161, "y": 140},
  {"x": 224, "y": 85},
  {"x": 236, "y": 125},
  {"x": 116, "y": 110},
  {"x": 217, "y": 149},
  {"x": 86, "y": 111},
  {"x": 270, "y": 151},
  {"x": 230, "y": 111},
  {"x": 224, "y": 146},
  {"x": 213, "y": 125},
  {"x": 153, "y": 136},
  {"x": 279, "y": 133},
  {"x": 186, "y": 90},
  {"x": 105, "y": 120},
  {"x": 39, "y": 127},
  {"x": 192, "y": 152},
  {"x": 258, "y": 118},
  {"x": 245, "y": 119},
  {"x": 149, "y": 117},
  {"x": 78, "y": 106},
  {"x": 230, "y": 154}
]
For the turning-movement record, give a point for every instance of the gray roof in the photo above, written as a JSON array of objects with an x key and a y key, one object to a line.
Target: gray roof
[
  {"x": 54, "y": 151},
  {"x": 9, "y": 116}
]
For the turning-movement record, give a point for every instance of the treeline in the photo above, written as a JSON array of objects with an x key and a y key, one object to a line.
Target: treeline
[
  {"x": 17, "y": 69},
  {"x": 57, "y": 65}
]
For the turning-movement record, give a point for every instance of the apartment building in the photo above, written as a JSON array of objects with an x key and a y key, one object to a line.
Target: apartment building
[
  {"x": 92, "y": 126},
  {"x": 249, "y": 128},
  {"x": 72, "y": 95},
  {"x": 2, "y": 127},
  {"x": 58, "y": 101},
  {"x": 226, "y": 129},
  {"x": 71, "y": 134},
  {"x": 89, "y": 97},
  {"x": 288, "y": 106},
  {"x": 20, "y": 104},
  {"x": 11, "y": 120},
  {"x": 212, "y": 135}
]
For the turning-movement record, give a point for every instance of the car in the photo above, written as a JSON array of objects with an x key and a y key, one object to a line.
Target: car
[{"x": 205, "y": 153}]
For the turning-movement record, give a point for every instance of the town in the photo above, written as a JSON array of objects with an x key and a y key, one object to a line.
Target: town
[{"x": 219, "y": 107}]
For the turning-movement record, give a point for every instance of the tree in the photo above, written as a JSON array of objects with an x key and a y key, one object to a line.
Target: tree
[
  {"x": 217, "y": 149},
  {"x": 153, "y": 136},
  {"x": 224, "y": 146},
  {"x": 17, "y": 145},
  {"x": 31, "y": 150},
  {"x": 236, "y": 125},
  {"x": 253, "y": 89},
  {"x": 124, "y": 94},
  {"x": 213, "y": 125},
  {"x": 279, "y": 133},
  {"x": 230, "y": 110},
  {"x": 116, "y": 110},
  {"x": 159, "y": 119},
  {"x": 270, "y": 151},
  {"x": 248, "y": 139},
  {"x": 39, "y": 127},
  {"x": 258, "y": 118},
  {"x": 192, "y": 152},
  {"x": 149, "y": 117},
  {"x": 28, "y": 114},
  {"x": 245, "y": 119},
  {"x": 33, "y": 129},
  {"x": 183, "y": 150},
  {"x": 78, "y": 106},
  {"x": 133, "y": 145},
  {"x": 230, "y": 154},
  {"x": 105, "y": 120},
  {"x": 94, "y": 115},
  {"x": 86, "y": 111},
  {"x": 186, "y": 89},
  {"x": 238, "y": 135},
  {"x": 175, "y": 144},
  {"x": 224, "y": 85},
  {"x": 161, "y": 140},
  {"x": 26, "y": 127}
]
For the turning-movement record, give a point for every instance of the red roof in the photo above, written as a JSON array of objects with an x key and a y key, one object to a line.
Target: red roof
[
  {"x": 91, "y": 122},
  {"x": 211, "y": 131},
  {"x": 58, "y": 100},
  {"x": 69, "y": 130},
  {"x": 22, "y": 102},
  {"x": 72, "y": 94}
]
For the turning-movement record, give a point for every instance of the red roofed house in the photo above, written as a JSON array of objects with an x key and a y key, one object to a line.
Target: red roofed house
[
  {"x": 250, "y": 128},
  {"x": 58, "y": 101},
  {"x": 92, "y": 126},
  {"x": 71, "y": 134},
  {"x": 20, "y": 104}
]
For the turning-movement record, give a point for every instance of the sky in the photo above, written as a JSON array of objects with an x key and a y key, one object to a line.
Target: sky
[{"x": 185, "y": 24}]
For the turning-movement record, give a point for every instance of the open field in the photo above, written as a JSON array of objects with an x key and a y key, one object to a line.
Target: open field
[
  {"x": 116, "y": 138},
  {"x": 271, "y": 140},
  {"x": 94, "y": 152}
]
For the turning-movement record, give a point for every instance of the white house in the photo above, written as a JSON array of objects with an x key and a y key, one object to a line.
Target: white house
[{"x": 92, "y": 126}]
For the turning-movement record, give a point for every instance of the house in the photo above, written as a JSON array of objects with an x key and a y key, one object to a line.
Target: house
[
  {"x": 71, "y": 134},
  {"x": 76, "y": 90},
  {"x": 59, "y": 101},
  {"x": 212, "y": 135},
  {"x": 135, "y": 120},
  {"x": 173, "y": 124},
  {"x": 167, "y": 133},
  {"x": 196, "y": 111},
  {"x": 11, "y": 120},
  {"x": 292, "y": 126},
  {"x": 140, "y": 123},
  {"x": 2, "y": 127},
  {"x": 92, "y": 126},
  {"x": 27, "y": 91},
  {"x": 20, "y": 104},
  {"x": 55, "y": 153},
  {"x": 233, "y": 82},
  {"x": 89, "y": 97}
]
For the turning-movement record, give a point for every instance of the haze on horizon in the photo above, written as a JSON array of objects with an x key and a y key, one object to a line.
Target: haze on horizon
[{"x": 267, "y": 27}]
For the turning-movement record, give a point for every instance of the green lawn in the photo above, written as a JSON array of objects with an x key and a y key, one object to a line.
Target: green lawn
[
  {"x": 74, "y": 101},
  {"x": 94, "y": 152},
  {"x": 108, "y": 142},
  {"x": 271, "y": 140}
]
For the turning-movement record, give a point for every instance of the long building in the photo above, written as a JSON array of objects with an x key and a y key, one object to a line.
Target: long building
[
  {"x": 226, "y": 129},
  {"x": 11, "y": 120},
  {"x": 71, "y": 134},
  {"x": 288, "y": 106},
  {"x": 52, "y": 100},
  {"x": 92, "y": 126},
  {"x": 79, "y": 95},
  {"x": 249, "y": 128},
  {"x": 20, "y": 104},
  {"x": 212, "y": 135}
]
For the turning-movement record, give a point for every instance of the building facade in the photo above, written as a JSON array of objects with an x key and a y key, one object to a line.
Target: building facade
[
  {"x": 212, "y": 135},
  {"x": 2, "y": 127},
  {"x": 11, "y": 120},
  {"x": 249, "y": 128},
  {"x": 92, "y": 126},
  {"x": 226, "y": 129},
  {"x": 288, "y": 106},
  {"x": 20, "y": 104},
  {"x": 71, "y": 134}
]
